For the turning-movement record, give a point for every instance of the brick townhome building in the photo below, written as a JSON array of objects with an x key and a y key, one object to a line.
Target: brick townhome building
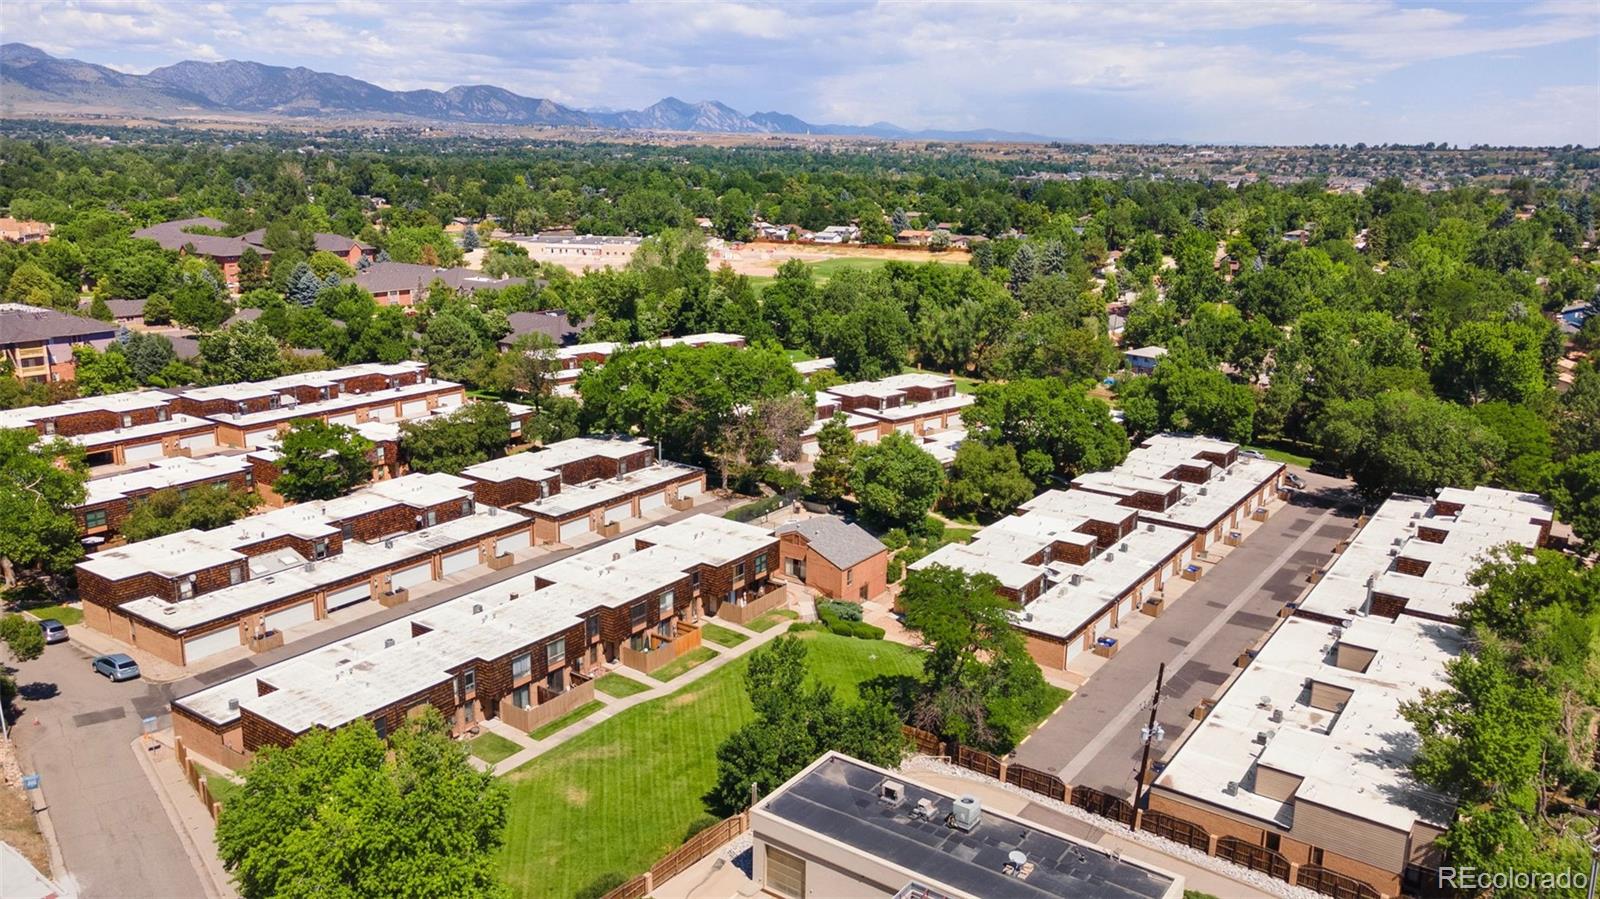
[
  {"x": 108, "y": 500},
  {"x": 1305, "y": 753},
  {"x": 841, "y": 560},
  {"x": 923, "y": 406},
  {"x": 183, "y": 236},
  {"x": 515, "y": 645}
]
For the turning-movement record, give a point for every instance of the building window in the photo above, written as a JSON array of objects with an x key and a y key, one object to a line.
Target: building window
[
  {"x": 638, "y": 614},
  {"x": 381, "y": 725},
  {"x": 849, "y": 575},
  {"x": 522, "y": 666},
  {"x": 466, "y": 507},
  {"x": 1316, "y": 856},
  {"x": 94, "y": 519},
  {"x": 431, "y": 519},
  {"x": 521, "y": 697},
  {"x": 786, "y": 874},
  {"x": 738, "y": 571},
  {"x": 667, "y": 600},
  {"x": 591, "y": 627},
  {"x": 161, "y": 415},
  {"x": 469, "y": 682},
  {"x": 1274, "y": 842},
  {"x": 236, "y": 574},
  {"x": 319, "y": 549},
  {"x": 694, "y": 579},
  {"x": 127, "y": 421},
  {"x": 555, "y": 653},
  {"x": 50, "y": 427},
  {"x": 557, "y": 681},
  {"x": 761, "y": 565}
]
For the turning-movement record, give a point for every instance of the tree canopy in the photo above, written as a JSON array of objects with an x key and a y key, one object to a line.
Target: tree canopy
[{"x": 322, "y": 461}]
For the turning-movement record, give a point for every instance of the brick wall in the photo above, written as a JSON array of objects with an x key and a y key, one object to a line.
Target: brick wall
[{"x": 97, "y": 421}]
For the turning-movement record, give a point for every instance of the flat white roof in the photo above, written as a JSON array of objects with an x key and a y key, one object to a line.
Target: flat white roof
[
  {"x": 337, "y": 683},
  {"x": 584, "y": 496},
  {"x": 1489, "y": 518},
  {"x": 141, "y": 432},
  {"x": 506, "y": 468},
  {"x": 162, "y": 474},
  {"x": 1064, "y": 608},
  {"x": 891, "y": 386},
  {"x": 910, "y": 411},
  {"x": 1354, "y": 760},
  {"x": 334, "y": 405},
  {"x": 812, "y": 366},
  {"x": 28, "y": 416},
  {"x": 577, "y": 449},
  {"x": 1200, "y": 505}
]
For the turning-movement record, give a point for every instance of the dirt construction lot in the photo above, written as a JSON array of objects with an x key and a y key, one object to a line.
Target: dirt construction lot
[{"x": 762, "y": 259}]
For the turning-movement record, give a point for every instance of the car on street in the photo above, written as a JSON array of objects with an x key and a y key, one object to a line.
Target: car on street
[
  {"x": 1295, "y": 481},
  {"x": 53, "y": 630},
  {"x": 117, "y": 666},
  {"x": 1252, "y": 454}
]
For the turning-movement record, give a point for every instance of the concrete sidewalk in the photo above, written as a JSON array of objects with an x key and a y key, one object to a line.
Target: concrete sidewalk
[{"x": 188, "y": 814}]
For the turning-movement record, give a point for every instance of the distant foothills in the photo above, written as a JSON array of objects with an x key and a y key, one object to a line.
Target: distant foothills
[{"x": 33, "y": 81}]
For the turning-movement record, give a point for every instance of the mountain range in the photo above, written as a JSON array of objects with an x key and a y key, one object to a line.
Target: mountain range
[{"x": 33, "y": 80}]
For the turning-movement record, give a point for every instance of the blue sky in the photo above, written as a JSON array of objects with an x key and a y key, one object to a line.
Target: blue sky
[{"x": 1251, "y": 71}]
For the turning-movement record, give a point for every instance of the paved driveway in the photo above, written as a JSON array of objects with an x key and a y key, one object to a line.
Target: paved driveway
[
  {"x": 75, "y": 729},
  {"x": 1094, "y": 739}
]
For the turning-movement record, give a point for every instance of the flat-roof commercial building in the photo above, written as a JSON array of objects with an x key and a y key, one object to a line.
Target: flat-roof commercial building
[
  {"x": 1197, "y": 483},
  {"x": 1306, "y": 753},
  {"x": 499, "y": 651},
  {"x": 38, "y": 342},
  {"x": 193, "y": 594},
  {"x": 580, "y": 251},
  {"x": 848, "y": 830},
  {"x": 1078, "y": 563}
]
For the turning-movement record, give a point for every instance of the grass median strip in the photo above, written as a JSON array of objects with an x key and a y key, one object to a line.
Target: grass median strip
[
  {"x": 619, "y": 687},
  {"x": 686, "y": 662},
  {"x": 492, "y": 748},
  {"x": 721, "y": 636},
  {"x": 772, "y": 619},
  {"x": 569, "y": 719}
]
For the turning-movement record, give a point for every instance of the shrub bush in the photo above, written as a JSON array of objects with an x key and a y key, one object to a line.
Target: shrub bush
[{"x": 847, "y": 611}]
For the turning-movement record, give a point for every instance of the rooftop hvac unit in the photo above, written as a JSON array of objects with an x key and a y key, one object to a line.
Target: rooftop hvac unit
[
  {"x": 966, "y": 814},
  {"x": 1076, "y": 579},
  {"x": 1393, "y": 551},
  {"x": 311, "y": 566},
  {"x": 1262, "y": 736},
  {"x": 891, "y": 792},
  {"x": 1203, "y": 491},
  {"x": 388, "y": 543},
  {"x": 1111, "y": 557},
  {"x": 1123, "y": 547},
  {"x": 233, "y": 705},
  {"x": 477, "y": 608},
  {"x": 1150, "y": 528},
  {"x": 388, "y": 643},
  {"x": 513, "y": 596},
  {"x": 1232, "y": 789},
  {"x": 1277, "y": 716}
]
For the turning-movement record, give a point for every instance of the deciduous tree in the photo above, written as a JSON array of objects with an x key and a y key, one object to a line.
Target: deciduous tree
[{"x": 322, "y": 461}]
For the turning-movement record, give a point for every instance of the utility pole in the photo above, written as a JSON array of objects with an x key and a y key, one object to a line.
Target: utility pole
[{"x": 1151, "y": 733}]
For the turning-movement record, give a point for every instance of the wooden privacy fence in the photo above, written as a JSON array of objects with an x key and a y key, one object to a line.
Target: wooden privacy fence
[
  {"x": 682, "y": 858},
  {"x": 755, "y": 608},
  {"x": 1256, "y": 858},
  {"x": 196, "y": 777},
  {"x": 664, "y": 650},
  {"x": 926, "y": 742},
  {"x": 1103, "y": 804},
  {"x": 1332, "y": 883},
  {"x": 977, "y": 760},
  {"x": 528, "y": 720},
  {"x": 1176, "y": 829},
  {"x": 1037, "y": 781}
]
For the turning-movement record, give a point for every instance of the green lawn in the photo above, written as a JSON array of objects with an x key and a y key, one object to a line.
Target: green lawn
[
  {"x": 692, "y": 659},
  {"x": 68, "y": 615},
  {"x": 964, "y": 384},
  {"x": 620, "y": 687},
  {"x": 1284, "y": 456},
  {"x": 570, "y": 718},
  {"x": 721, "y": 636},
  {"x": 772, "y": 619},
  {"x": 220, "y": 787},
  {"x": 614, "y": 799},
  {"x": 492, "y": 747}
]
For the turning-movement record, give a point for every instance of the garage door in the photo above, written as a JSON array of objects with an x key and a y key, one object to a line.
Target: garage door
[
  {"x": 652, "y": 502},
  {"x": 1074, "y": 648},
  {"x": 197, "y": 648},
  {"x": 1101, "y": 626},
  {"x": 693, "y": 488},
  {"x": 410, "y": 577},
  {"x": 907, "y": 428},
  {"x": 199, "y": 442},
  {"x": 1127, "y": 609},
  {"x": 574, "y": 529},
  {"x": 415, "y": 408},
  {"x": 383, "y": 413},
  {"x": 460, "y": 560},
  {"x": 338, "y": 599},
  {"x": 142, "y": 453},
  {"x": 258, "y": 439},
  {"x": 304, "y": 613},
  {"x": 617, "y": 513},
  {"x": 348, "y": 418},
  {"x": 506, "y": 545},
  {"x": 446, "y": 403}
]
